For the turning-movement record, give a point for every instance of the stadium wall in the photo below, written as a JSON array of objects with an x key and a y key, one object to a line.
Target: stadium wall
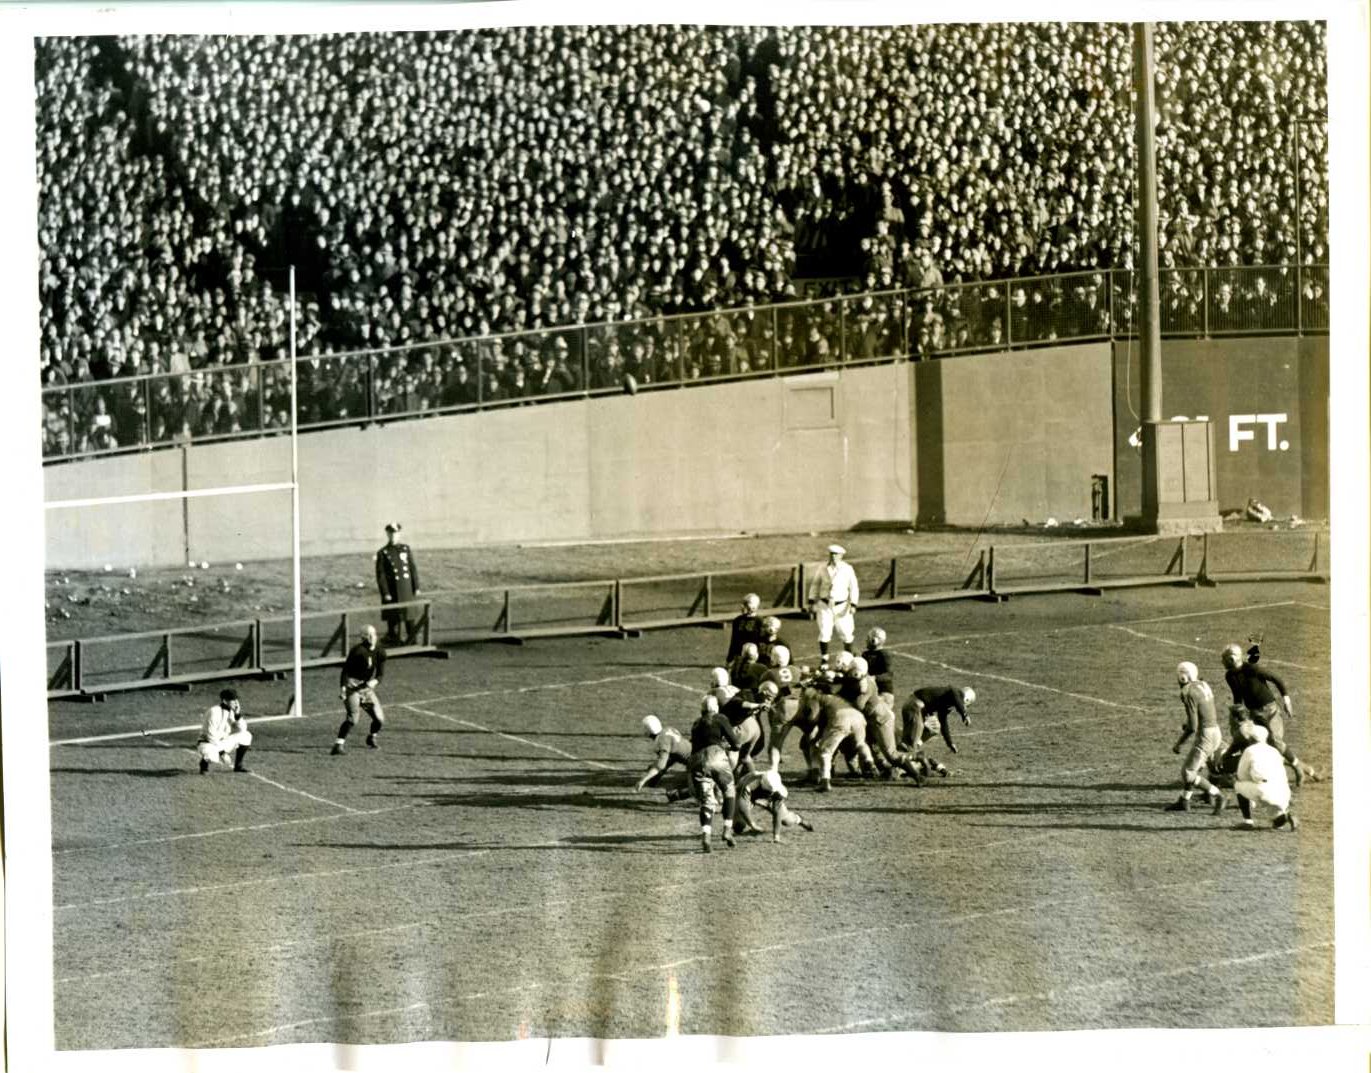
[
  {"x": 1267, "y": 400},
  {"x": 1004, "y": 437},
  {"x": 826, "y": 450}
]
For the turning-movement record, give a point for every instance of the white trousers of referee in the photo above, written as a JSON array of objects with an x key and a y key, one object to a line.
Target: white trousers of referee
[
  {"x": 1274, "y": 795},
  {"x": 226, "y": 747},
  {"x": 829, "y": 623}
]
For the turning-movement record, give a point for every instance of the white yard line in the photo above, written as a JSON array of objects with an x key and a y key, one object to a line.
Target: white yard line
[
  {"x": 263, "y": 778},
  {"x": 1022, "y": 682},
  {"x": 542, "y": 906},
  {"x": 676, "y": 685},
  {"x": 1127, "y": 982},
  {"x": 1202, "y": 648},
  {"x": 845, "y": 936},
  {"x": 292, "y": 877},
  {"x": 511, "y": 737}
]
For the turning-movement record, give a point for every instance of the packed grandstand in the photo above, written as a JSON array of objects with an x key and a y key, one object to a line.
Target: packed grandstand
[{"x": 934, "y": 188}]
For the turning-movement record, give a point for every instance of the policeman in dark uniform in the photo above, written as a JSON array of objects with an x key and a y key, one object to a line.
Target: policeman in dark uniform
[{"x": 397, "y": 578}]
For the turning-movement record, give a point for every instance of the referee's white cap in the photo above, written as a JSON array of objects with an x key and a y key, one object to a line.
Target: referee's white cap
[{"x": 836, "y": 549}]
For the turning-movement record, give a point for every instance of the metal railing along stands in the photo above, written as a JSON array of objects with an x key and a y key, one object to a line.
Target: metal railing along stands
[{"x": 240, "y": 400}]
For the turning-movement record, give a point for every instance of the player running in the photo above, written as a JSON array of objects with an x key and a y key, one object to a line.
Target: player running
[
  {"x": 711, "y": 738},
  {"x": 1201, "y": 723},
  {"x": 670, "y": 749},
  {"x": 1265, "y": 696},
  {"x": 926, "y": 713}
]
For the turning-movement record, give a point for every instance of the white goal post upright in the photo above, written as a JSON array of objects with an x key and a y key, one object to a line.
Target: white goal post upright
[{"x": 297, "y": 661}]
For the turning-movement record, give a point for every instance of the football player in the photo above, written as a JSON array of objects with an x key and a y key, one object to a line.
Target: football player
[
  {"x": 880, "y": 723},
  {"x": 357, "y": 682},
  {"x": 879, "y": 664},
  {"x": 765, "y": 789},
  {"x": 711, "y": 740},
  {"x": 1265, "y": 696},
  {"x": 1202, "y": 723},
  {"x": 669, "y": 748},
  {"x": 926, "y": 713},
  {"x": 223, "y": 734},
  {"x": 746, "y": 627},
  {"x": 750, "y": 715},
  {"x": 747, "y": 670},
  {"x": 840, "y": 723},
  {"x": 770, "y": 639}
]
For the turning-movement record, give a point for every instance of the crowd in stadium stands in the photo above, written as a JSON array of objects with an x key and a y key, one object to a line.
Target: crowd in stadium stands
[{"x": 454, "y": 185}]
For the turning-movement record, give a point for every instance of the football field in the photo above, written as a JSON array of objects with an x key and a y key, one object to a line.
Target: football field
[{"x": 490, "y": 874}]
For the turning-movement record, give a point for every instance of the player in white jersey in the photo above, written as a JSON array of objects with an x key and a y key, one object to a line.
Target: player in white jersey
[
  {"x": 1261, "y": 779},
  {"x": 1201, "y": 725},
  {"x": 764, "y": 788},
  {"x": 224, "y": 734},
  {"x": 668, "y": 748}
]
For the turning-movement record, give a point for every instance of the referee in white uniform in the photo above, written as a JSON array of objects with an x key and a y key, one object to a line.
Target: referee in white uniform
[{"x": 833, "y": 599}]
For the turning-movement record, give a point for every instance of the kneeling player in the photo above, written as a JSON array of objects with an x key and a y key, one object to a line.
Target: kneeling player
[
  {"x": 1202, "y": 722},
  {"x": 765, "y": 789},
  {"x": 224, "y": 733},
  {"x": 670, "y": 749}
]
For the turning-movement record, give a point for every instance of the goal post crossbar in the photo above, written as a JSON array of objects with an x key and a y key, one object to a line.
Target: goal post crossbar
[{"x": 149, "y": 497}]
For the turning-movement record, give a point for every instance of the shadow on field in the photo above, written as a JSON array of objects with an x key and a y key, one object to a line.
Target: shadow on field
[
  {"x": 1115, "y": 787},
  {"x": 563, "y": 790},
  {"x": 609, "y": 780},
  {"x": 535, "y": 732},
  {"x": 618, "y": 843},
  {"x": 137, "y": 773},
  {"x": 1163, "y": 828}
]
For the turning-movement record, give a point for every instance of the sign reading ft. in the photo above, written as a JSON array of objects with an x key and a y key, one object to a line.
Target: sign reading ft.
[{"x": 1238, "y": 432}]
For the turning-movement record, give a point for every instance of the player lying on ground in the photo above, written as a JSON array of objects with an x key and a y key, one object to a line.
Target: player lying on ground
[
  {"x": 711, "y": 739},
  {"x": 925, "y": 714},
  {"x": 224, "y": 734},
  {"x": 1201, "y": 723},
  {"x": 670, "y": 749},
  {"x": 1261, "y": 779},
  {"x": 763, "y": 790},
  {"x": 1264, "y": 695}
]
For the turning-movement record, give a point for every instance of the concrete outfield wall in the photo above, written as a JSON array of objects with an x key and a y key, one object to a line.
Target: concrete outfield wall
[
  {"x": 1266, "y": 398},
  {"x": 1003, "y": 437},
  {"x": 824, "y": 451}
]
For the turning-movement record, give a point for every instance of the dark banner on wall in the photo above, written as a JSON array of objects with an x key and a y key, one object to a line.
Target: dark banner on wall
[{"x": 1267, "y": 399}]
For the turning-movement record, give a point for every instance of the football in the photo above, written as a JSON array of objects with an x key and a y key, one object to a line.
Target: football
[{"x": 630, "y": 384}]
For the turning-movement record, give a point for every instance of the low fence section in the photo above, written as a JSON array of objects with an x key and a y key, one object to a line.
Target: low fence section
[{"x": 90, "y": 668}]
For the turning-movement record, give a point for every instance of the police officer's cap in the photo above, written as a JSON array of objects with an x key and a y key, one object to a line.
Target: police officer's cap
[
  {"x": 393, "y": 527},
  {"x": 228, "y": 696},
  {"x": 837, "y": 549}
]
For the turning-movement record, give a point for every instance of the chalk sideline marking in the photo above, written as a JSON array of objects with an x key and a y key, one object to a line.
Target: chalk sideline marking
[
  {"x": 1201, "y": 648},
  {"x": 511, "y": 737},
  {"x": 263, "y": 778},
  {"x": 1071, "y": 989},
  {"x": 1028, "y": 685}
]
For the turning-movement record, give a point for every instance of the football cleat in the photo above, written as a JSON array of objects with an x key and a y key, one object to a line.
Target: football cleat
[
  {"x": 338, "y": 749},
  {"x": 728, "y": 837},
  {"x": 204, "y": 767},
  {"x": 1179, "y": 805},
  {"x": 704, "y": 844},
  {"x": 371, "y": 742},
  {"x": 805, "y": 825},
  {"x": 825, "y": 785},
  {"x": 1218, "y": 803},
  {"x": 242, "y": 770}
]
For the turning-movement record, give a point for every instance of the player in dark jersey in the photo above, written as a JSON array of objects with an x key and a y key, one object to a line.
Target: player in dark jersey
[
  {"x": 879, "y": 664},
  {"x": 745, "y": 628},
  {"x": 747, "y": 671},
  {"x": 361, "y": 674},
  {"x": 926, "y": 713},
  {"x": 711, "y": 740},
  {"x": 1265, "y": 696},
  {"x": 770, "y": 638}
]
